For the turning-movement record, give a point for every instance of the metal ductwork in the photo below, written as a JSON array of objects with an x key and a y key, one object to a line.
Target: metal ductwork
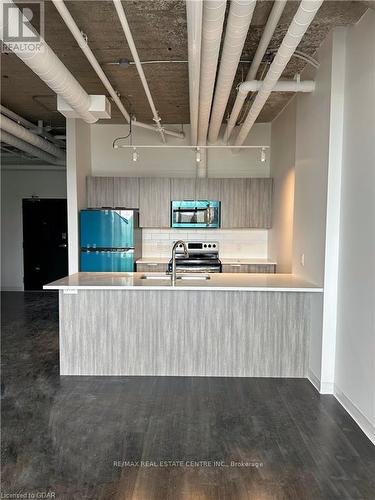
[
  {"x": 213, "y": 19},
  {"x": 269, "y": 29},
  {"x": 239, "y": 19},
  {"x": 301, "y": 21},
  {"x": 82, "y": 42},
  {"x": 49, "y": 68},
  {"x": 25, "y": 135},
  {"x": 194, "y": 15},
  {"x": 15, "y": 142}
]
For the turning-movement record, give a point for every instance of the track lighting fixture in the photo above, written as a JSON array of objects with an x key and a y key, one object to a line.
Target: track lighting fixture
[
  {"x": 263, "y": 155},
  {"x": 198, "y": 156}
]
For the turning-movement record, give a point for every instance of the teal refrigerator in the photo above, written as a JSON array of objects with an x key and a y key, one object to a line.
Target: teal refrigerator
[{"x": 110, "y": 240}]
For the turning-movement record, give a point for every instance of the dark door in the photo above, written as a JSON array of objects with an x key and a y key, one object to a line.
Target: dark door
[{"x": 45, "y": 243}]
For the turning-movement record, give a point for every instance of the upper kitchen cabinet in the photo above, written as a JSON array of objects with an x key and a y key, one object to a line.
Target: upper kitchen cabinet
[
  {"x": 126, "y": 192},
  {"x": 182, "y": 189},
  {"x": 100, "y": 192},
  {"x": 259, "y": 203},
  {"x": 246, "y": 203},
  {"x": 154, "y": 201},
  {"x": 233, "y": 203},
  {"x": 208, "y": 189}
]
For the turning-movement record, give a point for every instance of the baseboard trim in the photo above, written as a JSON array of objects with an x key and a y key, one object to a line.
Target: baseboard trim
[
  {"x": 326, "y": 387},
  {"x": 367, "y": 427},
  {"x": 314, "y": 380}
]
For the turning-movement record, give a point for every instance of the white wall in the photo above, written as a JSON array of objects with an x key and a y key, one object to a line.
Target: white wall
[
  {"x": 17, "y": 184},
  {"x": 355, "y": 343},
  {"x": 78, "y": 161},
  {"x": 173, "y": 162},
  {"x": 283, "y": 152}
]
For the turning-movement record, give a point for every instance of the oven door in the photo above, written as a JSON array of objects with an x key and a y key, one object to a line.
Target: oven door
[{"x": 205, "y": 214}]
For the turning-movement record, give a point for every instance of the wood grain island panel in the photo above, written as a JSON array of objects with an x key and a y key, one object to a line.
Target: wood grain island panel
[{"x": 189, "y": 333}]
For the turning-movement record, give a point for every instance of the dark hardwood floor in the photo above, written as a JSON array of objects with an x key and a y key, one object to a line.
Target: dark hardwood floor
[{"x": 144, "y": 438}]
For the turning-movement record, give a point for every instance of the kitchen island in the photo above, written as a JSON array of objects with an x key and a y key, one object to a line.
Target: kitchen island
[{"x": 230, "y": 325}]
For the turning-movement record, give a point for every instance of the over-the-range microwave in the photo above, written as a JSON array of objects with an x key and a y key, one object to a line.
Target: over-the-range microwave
[{"x": 195, "y": 213}]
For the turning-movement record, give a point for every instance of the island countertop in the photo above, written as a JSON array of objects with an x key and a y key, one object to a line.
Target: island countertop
[{"x": 157, "y": 281}]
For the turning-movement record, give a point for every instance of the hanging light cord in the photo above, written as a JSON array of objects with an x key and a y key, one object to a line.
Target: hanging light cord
[{"x": 125, "y": 136}]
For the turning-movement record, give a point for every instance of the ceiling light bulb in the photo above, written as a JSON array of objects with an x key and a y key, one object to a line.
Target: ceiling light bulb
[
  {"x": 198, "y": 156},
  {"x": 135, "y": 155},
  {"x": 263, "y": 155}
]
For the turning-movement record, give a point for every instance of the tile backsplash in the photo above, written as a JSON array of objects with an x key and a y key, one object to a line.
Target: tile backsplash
[{"x": 233, "y": 243}]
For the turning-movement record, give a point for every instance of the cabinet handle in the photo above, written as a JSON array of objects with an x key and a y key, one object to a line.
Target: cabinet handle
[
  {"x": 236, "y": 265},
  {"x": 151, "y": 264}
]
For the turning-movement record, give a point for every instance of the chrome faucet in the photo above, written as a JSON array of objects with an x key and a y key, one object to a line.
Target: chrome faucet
[{"x": 186, "y": 253}]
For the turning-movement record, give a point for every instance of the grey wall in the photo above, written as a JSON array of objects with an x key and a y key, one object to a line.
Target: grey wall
[
  {"x": 283, "y": 154},
  {"x": 15, "y": 185},
  {"x": 355, "y": 342}
]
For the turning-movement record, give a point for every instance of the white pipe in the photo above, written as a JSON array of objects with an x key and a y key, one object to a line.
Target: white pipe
[
  {"x": 269, "y": 29},
  {"x": 238, "y": 23},
  {"x": 194, "y": 14},
  {"x": 17, "y": 118},
  {"x": 48, "y": 66},
  {"x": 28, "y": 148},
  {"x": 280, "y": 86},
  {"x": 301, "y": 21},
  {"x": 31, "y": 126},
  {"x": 75, "y": 31},
  {"x": 133, "y": 50},
  {"x": 213, "y": 19},
  {"x": 24, "y": 134}
]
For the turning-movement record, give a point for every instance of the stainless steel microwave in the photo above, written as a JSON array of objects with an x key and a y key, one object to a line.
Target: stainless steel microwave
[{"x": 195, "y": 214}]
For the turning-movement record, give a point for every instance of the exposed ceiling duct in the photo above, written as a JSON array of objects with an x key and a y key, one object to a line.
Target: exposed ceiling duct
[
  {"x": 213, "y": 19},
  {"x": 82, "y": 42},
  {"x": 25, "y": 135},
  {"x": 15, "y": 142},
  {"x": 194, "y": 14},
  {"x": 269, "y": 29},
  {"x": 35, "y": 129},
  {"x": 239, "y": 19},
  {"x": 300, "y": 23},
  {"x": 48, "y": 67}
]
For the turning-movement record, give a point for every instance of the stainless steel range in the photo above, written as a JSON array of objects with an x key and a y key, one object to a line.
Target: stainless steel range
[{"x": 203, "y": 258}]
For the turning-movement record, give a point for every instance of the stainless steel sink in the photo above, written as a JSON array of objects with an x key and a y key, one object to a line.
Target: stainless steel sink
[{"x": 167, "y": 277}]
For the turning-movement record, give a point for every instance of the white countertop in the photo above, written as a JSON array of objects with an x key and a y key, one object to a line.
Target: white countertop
[
  {"x": 217, "y": 282},
  {"x": 225, "y": 260}
]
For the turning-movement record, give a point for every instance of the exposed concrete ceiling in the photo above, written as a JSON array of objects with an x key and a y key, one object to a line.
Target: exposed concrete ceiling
[{"x": 159, "y": 31}]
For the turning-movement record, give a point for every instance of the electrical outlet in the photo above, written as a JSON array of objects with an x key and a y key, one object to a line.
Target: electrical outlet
[{"x": 302, "y": 259}]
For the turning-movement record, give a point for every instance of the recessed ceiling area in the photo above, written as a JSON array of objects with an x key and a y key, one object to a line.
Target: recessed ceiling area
[{"x": 159, "y": 29}]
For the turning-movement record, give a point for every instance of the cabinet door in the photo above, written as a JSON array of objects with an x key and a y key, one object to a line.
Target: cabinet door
[
  {"x": 154, "y": 201},
  {"x": 152, "y": 268},
  {"x": 209, "y": 189},
  {"x": 234, "y": 204},
  {"x": 259, "y": 203},
  {"x": 182, "y": 189},
  {"x": 232, "y": 268},
  {"x": 100, "y": 192},
  {"x": 249, "y": 268},
  {"x": 126, "y": 192}
]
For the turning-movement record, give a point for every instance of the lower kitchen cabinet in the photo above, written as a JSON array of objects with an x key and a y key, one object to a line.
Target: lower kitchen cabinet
[
  {"x": 151, "y": 267},
  {"x": 249, "y": 268}
]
